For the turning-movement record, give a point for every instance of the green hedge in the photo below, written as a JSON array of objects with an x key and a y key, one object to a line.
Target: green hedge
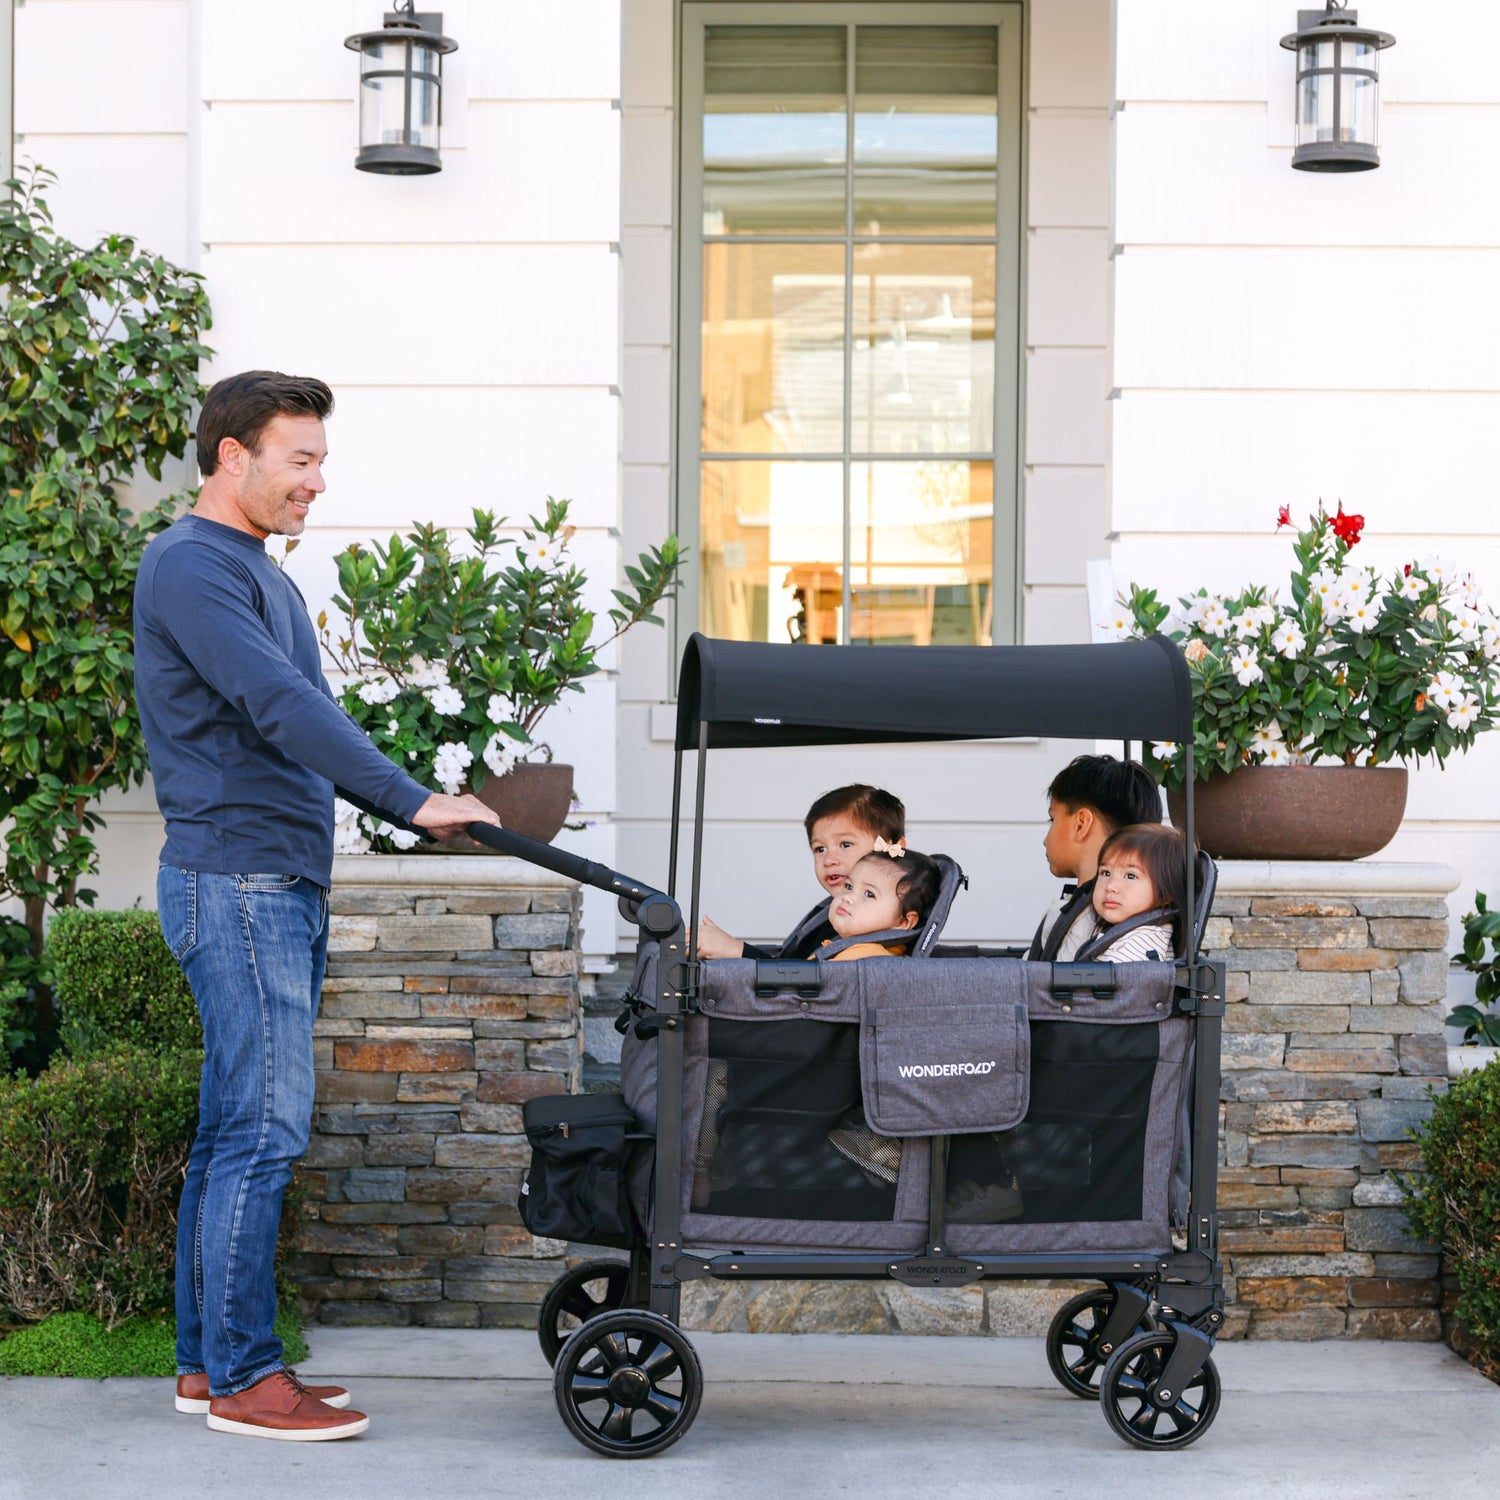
[
  {"x": 117, "y": 984},
  {"x": 18, "y": 972},
  {"x": 92, "y": 1154},
  {"x": 78, "y": 1344},
  {"x": 1456, "y": 1202}
]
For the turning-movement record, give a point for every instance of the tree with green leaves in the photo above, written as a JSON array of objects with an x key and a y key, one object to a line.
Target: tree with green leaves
[{"x": 101, "y": 352}]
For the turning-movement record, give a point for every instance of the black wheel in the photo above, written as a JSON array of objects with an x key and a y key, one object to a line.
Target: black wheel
[
  {"x": 595, "y": 1287},
  {"x": 1144, "y": 1415},
  {"x": 628, "y": 1384},
  {"x": 1073, "y": 1348}
]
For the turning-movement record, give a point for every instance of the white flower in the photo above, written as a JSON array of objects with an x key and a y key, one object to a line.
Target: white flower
[
  {"x": 1413, "y": 587},
  {"x": 1324, "y": 585},
  {"x": 378, "y": 690},
  {"x": 1463, "y": 713},
  {"x": 500, "y": 754},
  {"x": 1245, "y": 668},
  {"x": 1201, "y": 607},
  {"x": 403, "y": 839},
  {"x": 1116, "y": 626},
  {"x": 1446, "y": 689},
  {"x": 446, "y": 699},
  {"x": 1357, "y": 583},
  {"x": 1439, "y": 570},
  {"x": 450, "y": 763},
  {"x": 501, "y": 710},
  {"x": 1466, "y": 625},
  {"x": 1473, "y": 597},
  {"x": 1489, "y": 635},
  {"x": 348, "y": 835},
  {"x": 1216, "y": 621},
  {"x": 1268, "y": 735},
  {"x": 1164, "y": 749},
  {"x": 1275, "y": 755},
  {"x": 427, "y": 674},
  {"x": 1362, "y": 614},
  {"x": 393, "y": 726},
  {"x": 1288, "y": 639}
]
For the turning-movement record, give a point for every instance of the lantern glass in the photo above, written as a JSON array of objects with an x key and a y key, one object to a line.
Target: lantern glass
[
  {"x": 384, "y": 118},
  {"x": 1315, "y": 108},
  {"x": 1357, "y": 109}
]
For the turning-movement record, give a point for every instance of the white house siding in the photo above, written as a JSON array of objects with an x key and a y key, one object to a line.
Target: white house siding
[
  {"x": 1282, "y": 337},
  {"x": 469, "y": 322},
  {"x": 982, "y": 803}
]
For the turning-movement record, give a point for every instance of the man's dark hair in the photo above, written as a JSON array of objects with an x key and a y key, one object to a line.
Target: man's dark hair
[
  {"x": 243, "y": 406},
  {"x": 919, "y": 883},
  {"x": 1162, "y": 850},
  {"x": 1120, "y": 791},
  {"x": 876, "y": 811}
]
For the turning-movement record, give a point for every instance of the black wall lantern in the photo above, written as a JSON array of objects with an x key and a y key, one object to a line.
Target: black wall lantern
[
  {"x": 1338, "y": 90},
  {"x": 400, "y": 92}
]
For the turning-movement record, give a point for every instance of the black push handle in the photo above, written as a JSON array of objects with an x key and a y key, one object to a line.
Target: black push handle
[{"x": 657, "y": 914}]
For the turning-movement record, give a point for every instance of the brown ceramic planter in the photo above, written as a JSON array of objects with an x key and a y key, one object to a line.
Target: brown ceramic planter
[
  {"x": 1296, "y": 812},
  {"x": 532, "y": 800}
]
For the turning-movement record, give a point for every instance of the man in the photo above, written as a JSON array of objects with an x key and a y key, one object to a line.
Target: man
[
  {"x": 247, "y": 746},
  {"x": 1088, "y": 800}
]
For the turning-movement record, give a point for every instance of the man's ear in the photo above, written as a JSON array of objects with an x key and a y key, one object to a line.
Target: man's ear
[{"x": 232, "y": 456}]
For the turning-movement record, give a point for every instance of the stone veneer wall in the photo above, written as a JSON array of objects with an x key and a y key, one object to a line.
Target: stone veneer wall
[
  {"x": 453, "y": 994},
  {"x": 451, "y": 997}
]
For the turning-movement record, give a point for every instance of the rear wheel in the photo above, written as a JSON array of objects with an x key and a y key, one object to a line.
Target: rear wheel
[
  {"x": 1074, "y": 1351},
  {"x": 596, "y": 1286},
  {"x": 1144, "y": 1414},
  {"x": 627, "y": 1384}
]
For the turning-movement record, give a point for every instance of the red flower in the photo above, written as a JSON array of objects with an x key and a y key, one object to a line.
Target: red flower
[
  {"x": 1283, "y": 517},
  {"x": 1406, "y": 571},
  {"x": 1347, "y": 528}
]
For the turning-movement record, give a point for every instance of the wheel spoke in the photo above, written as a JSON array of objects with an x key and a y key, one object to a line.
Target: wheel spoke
[
  {"x": 1144, "y": 1421},
  {"x": 1131, "y": 1385},
  {"x": 658, "y": 1363},
  {"x": 613, "y": 1350},
  {"x": 580, "y": 1304},
  {"x": 617, "y": 1424},
  {"x": 588, "y": 1388},
  {"x": 1084, "y": 1368},
  {"x": 665, "y": 1408}
]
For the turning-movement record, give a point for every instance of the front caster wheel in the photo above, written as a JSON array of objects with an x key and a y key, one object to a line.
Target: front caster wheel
[
  {"x": 627, "y": 1384},
  {"x": 1074, "y": 1352},
  {"x": 595, "y": 1287},
  {"x": 1141, "y": 1412}
]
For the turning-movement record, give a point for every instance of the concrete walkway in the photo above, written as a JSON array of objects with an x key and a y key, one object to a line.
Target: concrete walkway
[{"x": 458, "y": 1415}]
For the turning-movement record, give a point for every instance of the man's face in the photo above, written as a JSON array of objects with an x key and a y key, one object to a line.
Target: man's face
[{"x": 278, "y": 484}]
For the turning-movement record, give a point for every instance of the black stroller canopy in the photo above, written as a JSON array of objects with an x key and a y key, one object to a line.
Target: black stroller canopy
[{"x": 749, "y": 693}]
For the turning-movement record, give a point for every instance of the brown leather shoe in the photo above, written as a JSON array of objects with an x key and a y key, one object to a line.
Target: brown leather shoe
[
  {"x": 192, "y": 1393},
  {"x": 280, "y": 1406}
]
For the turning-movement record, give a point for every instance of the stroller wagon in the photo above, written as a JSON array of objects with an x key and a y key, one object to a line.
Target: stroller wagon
[{"x": 955, "y": 1117}]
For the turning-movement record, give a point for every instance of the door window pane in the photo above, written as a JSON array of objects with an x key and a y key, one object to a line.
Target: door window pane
[
  {"x": 925, "y": 129},
  {"x": 773, "y": 348},
  {"x": 772, "y": 546},
  {"x": 921, "y": 550},
  {"x": 924, "y": 349},
  {"x": 774, "y": 129}
]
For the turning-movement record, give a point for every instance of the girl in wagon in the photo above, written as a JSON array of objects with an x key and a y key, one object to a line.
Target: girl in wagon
[{"x": 1141, "y": 888}]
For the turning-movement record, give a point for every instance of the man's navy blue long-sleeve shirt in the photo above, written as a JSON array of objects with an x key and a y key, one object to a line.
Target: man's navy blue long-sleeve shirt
[{"x": 247, "y": 743}]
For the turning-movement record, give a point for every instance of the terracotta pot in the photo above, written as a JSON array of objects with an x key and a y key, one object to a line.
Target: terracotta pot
[
  {"x": 531, "y": 799},
  {"x": 1296, "y": 812}
]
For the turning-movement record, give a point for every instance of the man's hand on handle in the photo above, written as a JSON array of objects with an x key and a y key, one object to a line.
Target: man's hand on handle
[{"x": 447, "y": 818}]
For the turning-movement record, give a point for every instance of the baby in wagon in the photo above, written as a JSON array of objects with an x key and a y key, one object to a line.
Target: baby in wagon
[
  {"x": 891, "y": 888},
  {"x": 842, "y": 826},
  {"x": 1141, "y": 888}
]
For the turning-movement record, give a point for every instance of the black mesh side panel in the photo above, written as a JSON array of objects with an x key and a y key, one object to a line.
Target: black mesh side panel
[
  {"x": 769, "y": 1152},
  {"x": 1080, "y": 1153}
]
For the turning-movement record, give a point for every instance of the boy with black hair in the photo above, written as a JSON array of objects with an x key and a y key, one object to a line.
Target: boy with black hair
[{"x": 1088, "y": 800}]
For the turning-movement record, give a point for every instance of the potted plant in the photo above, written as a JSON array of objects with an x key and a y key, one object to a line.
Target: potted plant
[
  {"x": 1355, "y": 672},
  {"x": 1481, "y": 1020},
  {"x": 454, "y": 644}
]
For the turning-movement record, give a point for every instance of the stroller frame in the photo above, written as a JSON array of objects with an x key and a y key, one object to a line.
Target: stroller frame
[{"x": 1147, "y": 1336}]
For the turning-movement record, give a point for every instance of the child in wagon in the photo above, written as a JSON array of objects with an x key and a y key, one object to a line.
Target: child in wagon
[
  {"x": 890, "y": 889},
  {"x": 1140, "y": 888}
]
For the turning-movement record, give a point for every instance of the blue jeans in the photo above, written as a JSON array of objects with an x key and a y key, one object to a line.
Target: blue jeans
[{"x": 253, "y": 948}]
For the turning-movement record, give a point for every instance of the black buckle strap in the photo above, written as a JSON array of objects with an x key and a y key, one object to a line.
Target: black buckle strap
[{"x": 775, "y": 975}]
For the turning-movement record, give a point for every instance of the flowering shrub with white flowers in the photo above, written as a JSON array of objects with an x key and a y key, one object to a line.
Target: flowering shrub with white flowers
[
  {"x": 1356, "y": 667},
  {"x": 453, "y": 646}
]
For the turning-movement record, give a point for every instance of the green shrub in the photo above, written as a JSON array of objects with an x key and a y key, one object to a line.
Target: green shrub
[
  {"x": 92, "y": 1154},
  {"x": 1456, "y": 1202},
  {"x": 18, "y": 973},
  {"x": 117, "y": 983},
  {"x": 78, "y": 1344}
]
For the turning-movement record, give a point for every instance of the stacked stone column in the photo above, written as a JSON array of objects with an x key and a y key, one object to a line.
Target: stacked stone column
[
  {"x": 1333, "y": 1040},
  {"x": 451, "y": 998}
]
